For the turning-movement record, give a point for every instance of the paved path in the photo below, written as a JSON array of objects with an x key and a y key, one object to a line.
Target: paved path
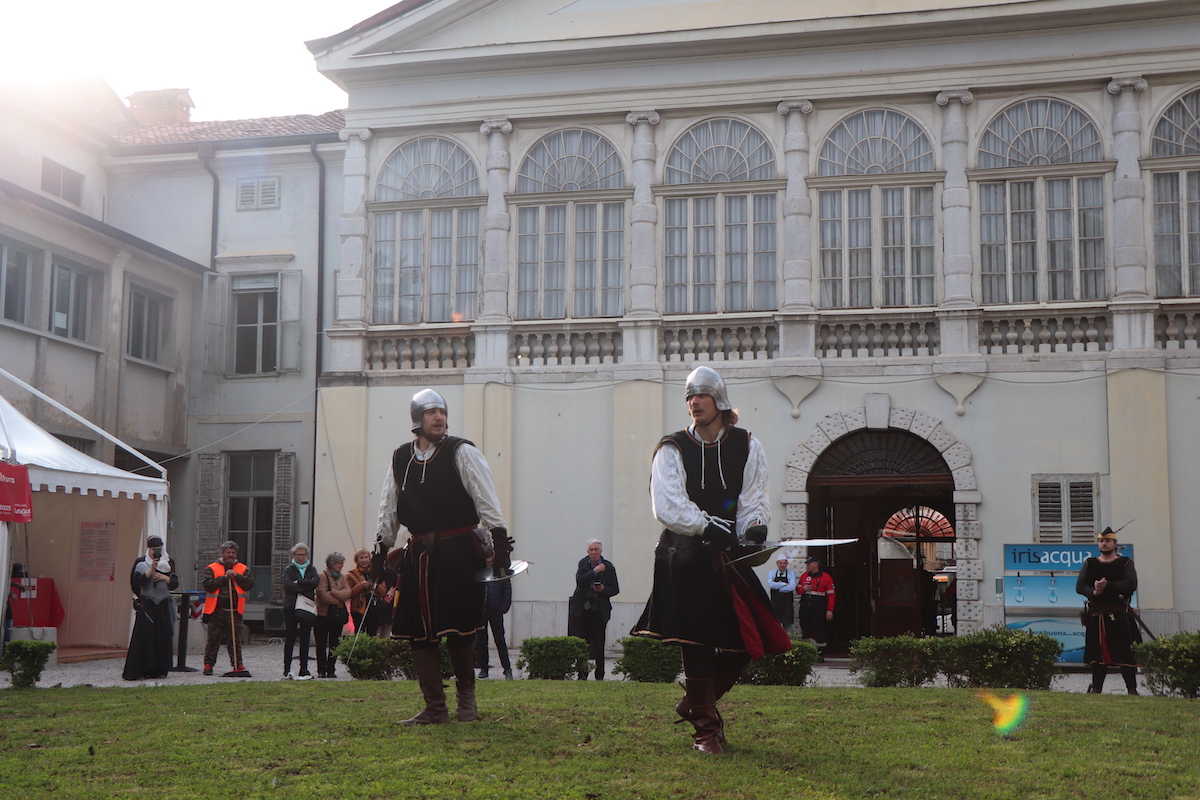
[{"x": 264, "y": 660}]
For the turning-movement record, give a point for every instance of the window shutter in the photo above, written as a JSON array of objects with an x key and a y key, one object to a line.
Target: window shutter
[
  {"x": 282, "y": 526},
  {"x": 290, "y": 287},
  {"x": 210, "y": 510},
  {"x": 216, "y": 320},
  {"x": 268, "y": 193},
  {"x": 247, "y": 194},
  {"x": 1049, "y": 512},
  {"x": 1083, "y": 511}
]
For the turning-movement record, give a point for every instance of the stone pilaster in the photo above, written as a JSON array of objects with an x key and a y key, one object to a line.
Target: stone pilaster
[
  {"x": 640, "y": 328},
  {"x": 353, "y": 291},
  {"x": 797, "y": 316},
  {"x": 492, "y": 331}
]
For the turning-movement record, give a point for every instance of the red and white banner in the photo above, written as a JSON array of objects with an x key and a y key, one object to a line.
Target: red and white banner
[{"x": 16, "y": 497}]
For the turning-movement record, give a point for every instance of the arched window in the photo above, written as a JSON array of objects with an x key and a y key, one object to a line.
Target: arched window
[
  {"x": 571, "y": 250},
  {"x": 1042, "y": 236},
  {"x": 720, "y": 251},
  {"x": 426, "y": 247},
  {"x": 1177, "y": 201},
  {"x": 877, "y": 242}
]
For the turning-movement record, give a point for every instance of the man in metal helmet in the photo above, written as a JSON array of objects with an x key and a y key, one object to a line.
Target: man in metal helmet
[
  {"x": 709, "y": 488},
  {"x": 440, "y": 488}
]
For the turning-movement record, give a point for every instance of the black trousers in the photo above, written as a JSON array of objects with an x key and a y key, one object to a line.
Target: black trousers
[{"x": 590, "y": 627}]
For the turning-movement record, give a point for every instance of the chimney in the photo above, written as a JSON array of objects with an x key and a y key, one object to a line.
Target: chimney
[{"x": 161, "y": 107}]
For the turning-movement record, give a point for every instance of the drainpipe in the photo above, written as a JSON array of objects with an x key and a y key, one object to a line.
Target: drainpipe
[
  {"x": 319, "y": 362},
  {"x": 206, "y": 151}
]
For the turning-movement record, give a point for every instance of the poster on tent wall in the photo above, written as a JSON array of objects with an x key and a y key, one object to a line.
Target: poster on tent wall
[
  {"x": 97, "y": 550},
  {"x": 16, "y": 497}
]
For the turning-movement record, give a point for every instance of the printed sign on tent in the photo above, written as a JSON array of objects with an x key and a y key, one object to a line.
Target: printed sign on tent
[
  {"x": 16, "y": 496},
  {"x": 97, "y": 550}
]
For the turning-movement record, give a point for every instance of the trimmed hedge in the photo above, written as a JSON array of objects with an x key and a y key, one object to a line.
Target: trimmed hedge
[
  {"x": 554, "y": 658},
  {"x": 791, "y": 668},
  {"x": 1171, "y": 664},
  {"x": 894, "y": 661},
  {"x": 383, "y": 659},
  {"x": 26, "y": 659},
  {"x": 648, "y": 660}
]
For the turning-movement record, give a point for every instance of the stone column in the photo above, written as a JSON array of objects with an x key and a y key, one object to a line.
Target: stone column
[
  {"x": 958, "y": 312},
  {"x": 1133, "y": 307},
  {"x": 495, "y": 322},
  {"x": 797, "y": 316},
  {"x": 353, "y": 314},
  {"x": 640, "y": 328}
]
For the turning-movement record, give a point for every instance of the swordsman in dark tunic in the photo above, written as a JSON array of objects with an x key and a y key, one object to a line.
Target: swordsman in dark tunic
[
  {"x": 440, "y": 488},
  {"x": 709, "y": 488},
  {"x": 1108, "y": 581}
]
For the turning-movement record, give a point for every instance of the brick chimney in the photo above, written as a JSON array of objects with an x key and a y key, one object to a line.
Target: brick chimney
[{"x": 161, "y": 107}]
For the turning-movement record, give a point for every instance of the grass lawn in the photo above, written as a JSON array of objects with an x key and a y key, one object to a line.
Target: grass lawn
[{"x": 587, "y": 740}]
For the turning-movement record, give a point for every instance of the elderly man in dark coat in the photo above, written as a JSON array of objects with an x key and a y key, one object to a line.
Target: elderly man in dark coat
[{"x": 591, "y": 605}]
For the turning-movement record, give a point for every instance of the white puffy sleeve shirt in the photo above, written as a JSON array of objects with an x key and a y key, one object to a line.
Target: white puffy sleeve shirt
[
  {"x": 476, "y": 476},
  {"x": 675, "y": 510}
]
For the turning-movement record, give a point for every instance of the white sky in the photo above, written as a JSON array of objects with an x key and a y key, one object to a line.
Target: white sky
[{"x": 239, "y": 58}]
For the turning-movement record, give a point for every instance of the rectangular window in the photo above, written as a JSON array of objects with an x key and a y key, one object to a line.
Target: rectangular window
[
  {"x": 1065, "y": 508},
  {"x": 14, "y": 282},
  {"x": 876, "y": 247},
  {"x": 145, "y": 325},
  {"x": 70, "y": 302},
  {"x": 258, "y": 193},
  {"x": 255, "y": 324},
  {"x": 1042, "y": 238},
  {"x": 1177, "y": 234},
  {"x": 62, "y": 182},
  {"x": 426, "y": 266},
  {"x": 720, "y": 254},
  {"x": 570, "y": 260},
  {"x": 250, "y": 504}
]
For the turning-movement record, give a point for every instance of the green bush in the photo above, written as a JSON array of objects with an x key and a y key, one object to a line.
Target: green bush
[
  {"x": 648, "y": 660},
  {"x": 894, "y": 661},
  {"x": 998, "y": 658},
  {"x": 383, "y": 659},
  {"x": 790, "y": 668},
  {"x": 1172, "y": 664},
  {"x": 554, "y": 658},
  {"x": 25, "y": 660}
]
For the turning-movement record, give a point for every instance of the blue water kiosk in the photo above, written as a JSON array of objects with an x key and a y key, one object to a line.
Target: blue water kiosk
[{"x": 1039, "y": 591}]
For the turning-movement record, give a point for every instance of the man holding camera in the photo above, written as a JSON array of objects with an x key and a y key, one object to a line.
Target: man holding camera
[
  {"x": 591, "y": 605},
  {"x": 708, "y": 487}
]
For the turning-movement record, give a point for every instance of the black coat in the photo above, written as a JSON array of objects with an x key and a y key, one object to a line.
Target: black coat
[{"x": 585, "y": 595}]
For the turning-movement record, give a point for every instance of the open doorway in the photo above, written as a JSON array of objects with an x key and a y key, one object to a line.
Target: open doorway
[{"x": 886, "y": 584}]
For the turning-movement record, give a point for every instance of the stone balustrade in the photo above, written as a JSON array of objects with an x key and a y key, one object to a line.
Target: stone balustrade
[
  {"x": 724, "y": 341},
  {"x": 564, "y": 344},
  {"x": 877, "y": 335},
  {"x": 1061, "y": 333},
  {"x": 1175, "y": 329},
  {"x": 426, "y": 348}
]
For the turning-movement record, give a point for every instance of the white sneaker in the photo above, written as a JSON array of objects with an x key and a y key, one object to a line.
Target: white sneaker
[
  {"x": 287, "y": 676},
  {"x": 303, "y": 677}
]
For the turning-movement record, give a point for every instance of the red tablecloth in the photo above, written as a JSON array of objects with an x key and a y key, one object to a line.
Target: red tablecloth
[{"x": 35, "y": 603}]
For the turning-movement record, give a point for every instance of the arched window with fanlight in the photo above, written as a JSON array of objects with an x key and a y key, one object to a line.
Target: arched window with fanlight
[
  {"x": 1041, "y": 218},
  {"x": 721, "y": 204},
  {"x": 570, "y": 202},
  {"x": 426, "y": 244},
  {"x": 1177, "y": 199},
  {"x": 876, "y": 236}
]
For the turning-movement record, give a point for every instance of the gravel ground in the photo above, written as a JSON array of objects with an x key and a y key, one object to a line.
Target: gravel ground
[{"x": 264, "y": 660}]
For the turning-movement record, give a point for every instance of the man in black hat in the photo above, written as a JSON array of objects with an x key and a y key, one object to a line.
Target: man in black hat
[
  {"x": 152, "y": 580},
  {"x": 1108, "y": 581},
  {"x": 816, "y": 603}
]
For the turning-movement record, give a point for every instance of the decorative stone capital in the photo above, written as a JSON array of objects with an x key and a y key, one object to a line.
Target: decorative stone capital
[
  {"x": 346, "y": 134},
  {"x": 963, "y": 96},
  {"x": 498, "y": 125},
  {"x": 788, "y": 106},
  {"x": 650, "y": 117},
  {"x": 1137, "y": 83}
]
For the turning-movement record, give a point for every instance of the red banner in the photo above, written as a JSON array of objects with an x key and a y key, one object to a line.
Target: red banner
[{"x": 16, "y": 498}]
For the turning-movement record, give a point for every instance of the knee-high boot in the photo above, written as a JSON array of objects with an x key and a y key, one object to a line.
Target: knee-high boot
[
  {"x": 428, "y": 664},
  {"x": 463, "y": 659},
  {"x": 1130, "y": 676},
  {"x": 702, "y": 706},
  {"x": 1098, "y": 673},
  {"x": 727, "y": 668}
]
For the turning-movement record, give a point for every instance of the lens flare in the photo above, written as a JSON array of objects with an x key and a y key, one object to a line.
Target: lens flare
[{"x": 1010, "y": 711}]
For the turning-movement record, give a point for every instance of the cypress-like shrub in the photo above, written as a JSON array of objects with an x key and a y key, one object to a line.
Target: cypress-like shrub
[{"x": 648, "y": 660}]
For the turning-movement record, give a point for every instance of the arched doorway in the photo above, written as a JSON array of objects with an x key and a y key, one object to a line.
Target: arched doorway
[{"x": 886, "y": 583}]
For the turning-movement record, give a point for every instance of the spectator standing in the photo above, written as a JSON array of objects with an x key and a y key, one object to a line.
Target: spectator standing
[
  {"x": 333, "y": 590},
  {"x": 299, "y": 579},
  {"x": 817, "y": 600},
  {"x": 591, "y": 604},
  {"x": 152, "y": 580},
  {"x": 782, "y": 586},
  {"x": 226, "y": 583},
  {"x": 497, "y": 600}
]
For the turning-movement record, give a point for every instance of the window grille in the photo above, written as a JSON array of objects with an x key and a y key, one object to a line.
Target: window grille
[{"x": 876, "y": 142}]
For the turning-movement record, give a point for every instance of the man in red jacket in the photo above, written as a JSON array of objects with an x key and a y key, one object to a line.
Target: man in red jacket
[{"x": 815, "y": 588}]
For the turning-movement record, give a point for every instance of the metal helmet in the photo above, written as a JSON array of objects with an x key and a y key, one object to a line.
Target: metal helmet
[
  {"x": 705, "y": 380},
  {"x": 423, "y": 401}
]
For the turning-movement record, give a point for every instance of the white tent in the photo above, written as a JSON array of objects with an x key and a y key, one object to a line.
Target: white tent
[{"x": 90, "y": 522}]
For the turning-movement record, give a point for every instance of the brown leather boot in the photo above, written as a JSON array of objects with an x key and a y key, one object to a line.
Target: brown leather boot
[
  {"x": 428, "y": 664},
  {"x": 702, "y": 707},
  {"x": 463, "y": 660}
]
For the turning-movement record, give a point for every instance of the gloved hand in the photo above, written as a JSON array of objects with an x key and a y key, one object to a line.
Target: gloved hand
[
  {"x": 503, "y": 546},
  {"x": 756, "y": 534},
  {"x": 719, "y": 536}
]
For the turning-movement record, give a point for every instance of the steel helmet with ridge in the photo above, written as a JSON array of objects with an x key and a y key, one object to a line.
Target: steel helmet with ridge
[
  {"x": 706, "y": 380},
  {"x": 423, "y": 401}
]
